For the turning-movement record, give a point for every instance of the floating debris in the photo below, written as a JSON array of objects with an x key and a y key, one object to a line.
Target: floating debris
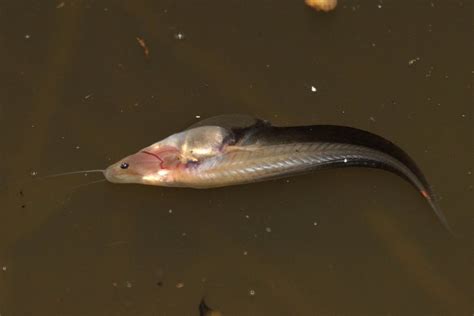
[
  {"x": 322, "y": 5},
  {"x": 34, "y": 173},
  {"x": 128, "y": 284},
  {"x": 252, "y": 292},
  {"x": 429, "y": 72},
  {"x": 268, "y": 229},
  {"x": 143, "y": 45},
  {"x": 198, "y": 116},
  {"x": 314, "y": 89},
  {"x": 59, "y": 6},
  {"x": 179, "y": 36},
  {"x": 411, "y": 62},
  {"x": 4, "y": 268},
  {"x": 170, "y": 211},
  {"x": 27, "y": 36},
  {"x": 315, "y": 223},
  {"x": 245, "y": 253},
  {"x": 179, "y": 285}
]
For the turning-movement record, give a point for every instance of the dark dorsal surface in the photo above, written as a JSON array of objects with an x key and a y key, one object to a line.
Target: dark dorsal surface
[{"x": 263, "y": 133}]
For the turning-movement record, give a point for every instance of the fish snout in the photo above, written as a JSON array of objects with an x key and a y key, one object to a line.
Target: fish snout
[{"x": 110, "y": 175}]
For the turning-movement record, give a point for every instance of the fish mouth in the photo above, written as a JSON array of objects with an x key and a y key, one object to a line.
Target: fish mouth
[
  {"x": 111, "y": 176},
  {"x": 114, "y": 175}
]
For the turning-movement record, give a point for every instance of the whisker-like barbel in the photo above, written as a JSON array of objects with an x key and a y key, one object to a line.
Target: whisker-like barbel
[{"x": 72, "y": 172}]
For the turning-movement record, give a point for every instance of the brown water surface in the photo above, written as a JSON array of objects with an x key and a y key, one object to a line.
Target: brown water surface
[{"x": 78, "y": 92}]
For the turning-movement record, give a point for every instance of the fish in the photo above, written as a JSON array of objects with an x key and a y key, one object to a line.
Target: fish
[{"x": 237, "y": 149}]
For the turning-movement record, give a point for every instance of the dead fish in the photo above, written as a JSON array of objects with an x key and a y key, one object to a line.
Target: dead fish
[
  {"x": 205, "y": 310},
  {"x": 230, "y": 150}
]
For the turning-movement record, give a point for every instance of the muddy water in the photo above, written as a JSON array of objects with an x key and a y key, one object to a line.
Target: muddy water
[{"x": 78, "y": 91}]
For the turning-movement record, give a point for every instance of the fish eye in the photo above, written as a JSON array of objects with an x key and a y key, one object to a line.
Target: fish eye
[{"x": 124, "y": 165}]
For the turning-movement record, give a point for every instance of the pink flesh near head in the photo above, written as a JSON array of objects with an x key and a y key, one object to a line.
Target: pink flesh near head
[{"x": 145, "y": 163}]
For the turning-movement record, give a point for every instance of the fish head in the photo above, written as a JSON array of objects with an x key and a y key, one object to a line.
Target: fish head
[
  {"x": 161, "y": 163},
  {"x": 153, "y": 165}
]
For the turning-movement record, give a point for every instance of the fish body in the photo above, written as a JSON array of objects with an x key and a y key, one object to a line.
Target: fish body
[{"x": 210, "y": 156}]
